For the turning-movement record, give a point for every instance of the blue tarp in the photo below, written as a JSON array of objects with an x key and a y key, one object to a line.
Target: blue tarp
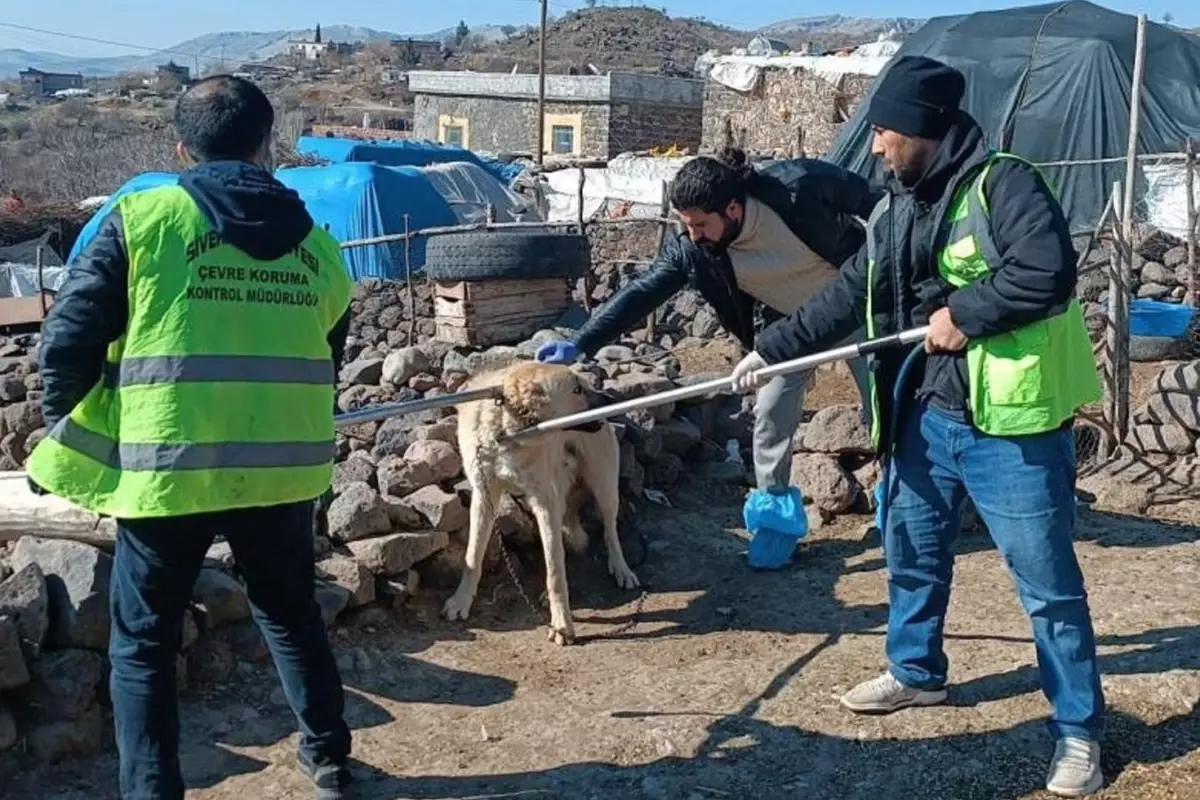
[
  {"x": 361, "y": 201},
  {"x": 406, "y": 153},
  {"x": 139, "y": 183},
  {"x": 355, "y": 201}
]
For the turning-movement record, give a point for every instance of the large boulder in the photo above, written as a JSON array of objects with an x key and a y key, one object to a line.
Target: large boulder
[
  {"x": 221, "y": 598},
  {"x": 438, "y": 457},
  {"x": 396, "y": 552},
  {"x": 350, "y": 575},
  {"x": 836, "y": 429},
  {"x": 404, "y": 364},
  {"x": 823, "y": 480},
  {"x": 441, "y": 510},
  {"x": 357, "y": 513},
  {"x": 14, "y": 671},
  {"x": 25, "y": 599},
  {"x": 399, "y": 477},
  {"x": 77, "y": 580}
]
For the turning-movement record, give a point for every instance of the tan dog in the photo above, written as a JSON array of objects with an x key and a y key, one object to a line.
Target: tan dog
[{"x": 552, "y": 470}]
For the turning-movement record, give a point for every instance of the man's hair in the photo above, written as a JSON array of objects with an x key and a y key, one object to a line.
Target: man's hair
[
  {"x": 224, "y": 118},
  {"x": 709, "y": 184}
]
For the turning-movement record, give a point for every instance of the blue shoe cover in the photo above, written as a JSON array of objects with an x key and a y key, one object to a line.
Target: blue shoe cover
[{"x": 776, "y": 523}]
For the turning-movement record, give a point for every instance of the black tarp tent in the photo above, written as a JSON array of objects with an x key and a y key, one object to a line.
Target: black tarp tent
[{"x": 1054, "y": 83}]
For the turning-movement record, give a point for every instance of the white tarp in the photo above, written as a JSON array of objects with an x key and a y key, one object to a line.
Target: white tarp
[
  {"x": 741, "y": 73},
  {"x": 469, "y": 189},
  {"x": 21, "y": 280},
  {"x": 1166, "y": 196},
  {"x": 633, "y": 183}
]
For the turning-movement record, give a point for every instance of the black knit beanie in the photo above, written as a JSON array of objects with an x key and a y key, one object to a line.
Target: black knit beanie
[{"x": 917, "y": 97}]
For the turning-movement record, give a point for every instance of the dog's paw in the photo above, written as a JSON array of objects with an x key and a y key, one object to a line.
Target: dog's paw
[
  {"x": 623, "y": 575},
  {"x": 458, "y": 606},
  {"x": 562, "y": 636}
]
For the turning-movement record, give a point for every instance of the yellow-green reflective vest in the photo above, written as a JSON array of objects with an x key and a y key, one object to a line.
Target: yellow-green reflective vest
[
  {"x": 220, "y": 393},
  {"x": 1030, "y": 380}
]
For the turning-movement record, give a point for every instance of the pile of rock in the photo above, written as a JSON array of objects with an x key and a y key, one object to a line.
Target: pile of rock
[
  {"x": 1160, "y": 271},
  {"x": 53, "y": 635},
  {"x": 20, "y": 400},
  {"x": 1169, "y": 422}
]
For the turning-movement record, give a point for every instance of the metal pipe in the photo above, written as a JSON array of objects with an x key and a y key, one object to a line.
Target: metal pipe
[
  {"x": 376, "y": 413},
  {"x": 721, "y": 384}
]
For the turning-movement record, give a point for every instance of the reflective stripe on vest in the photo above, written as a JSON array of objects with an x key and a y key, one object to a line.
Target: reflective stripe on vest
[
  {"x": 220, "y": 393},
  {"x": 1030, "y": 380},
  {"x": 881, "y": 208},
  {"x": 189, "y": 455},
  {"x": 150, "y": 370}
]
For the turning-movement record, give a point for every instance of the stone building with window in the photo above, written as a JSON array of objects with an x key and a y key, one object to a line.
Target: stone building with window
[{"x": 587, "y": 116}]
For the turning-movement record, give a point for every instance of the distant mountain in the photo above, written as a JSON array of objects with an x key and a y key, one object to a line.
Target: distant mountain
[
  {"x": 842, "y": 25},
  {"x": 237, "y": 47},
  {"x": 234, "y": 47}
]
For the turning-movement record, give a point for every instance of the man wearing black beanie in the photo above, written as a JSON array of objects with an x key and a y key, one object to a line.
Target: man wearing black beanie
[{"x": 972, "y": 243}]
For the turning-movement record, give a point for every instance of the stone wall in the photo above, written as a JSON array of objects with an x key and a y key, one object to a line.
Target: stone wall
[
  {"x": 503, "y": 125},
  {"x": 789, "y": 113},
  {"x": 637, "y": 127}
]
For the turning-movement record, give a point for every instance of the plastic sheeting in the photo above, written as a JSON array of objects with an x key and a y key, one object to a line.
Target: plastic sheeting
[
  {"x": 469, "y": 189},
  {"x": 406, "y": 153},
  {"x": 148, "y": 180},
  {"x": 356, "y": 201},
  {"x": 27, "y": 252},
  {"x": 635, "y": 183},
  {"x": 21, "y": 280},
  {"x": 1052, "y": 83},
  {"x": 362, "y": 201},
  {"x": 742, "y": 73},
  {"x": 1166, "y": 196}
]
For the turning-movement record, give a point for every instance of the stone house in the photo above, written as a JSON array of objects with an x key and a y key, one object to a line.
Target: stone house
[
  {"x": 783, "y": 112},
  {"x": 36, "y": 83},
  {"x": 587, "y": 116}
]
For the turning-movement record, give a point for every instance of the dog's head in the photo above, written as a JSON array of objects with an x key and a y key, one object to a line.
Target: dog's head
[{"x": 533, "y": 392}]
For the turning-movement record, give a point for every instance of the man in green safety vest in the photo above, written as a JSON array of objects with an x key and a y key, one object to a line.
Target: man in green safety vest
[
  {"x": 973, "y": 243},
  {"x": 189, "y": 364}
]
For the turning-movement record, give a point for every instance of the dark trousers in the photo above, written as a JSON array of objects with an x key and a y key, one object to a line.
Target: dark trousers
[{"x": 157, "y": 562}]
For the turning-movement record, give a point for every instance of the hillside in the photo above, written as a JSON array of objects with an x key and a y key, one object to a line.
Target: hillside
[
  {"x": 610, "y": 38},
  {"x": 638, "y": 39}
]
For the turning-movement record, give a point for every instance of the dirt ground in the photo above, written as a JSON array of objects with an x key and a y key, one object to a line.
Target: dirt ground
[{"x": 726, "y": 687}]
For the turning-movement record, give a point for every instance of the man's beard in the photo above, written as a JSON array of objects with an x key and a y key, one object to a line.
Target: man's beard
[{"x": 731, "y": 229}]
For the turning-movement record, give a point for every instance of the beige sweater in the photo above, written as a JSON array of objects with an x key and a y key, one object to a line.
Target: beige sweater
[{"x": 772, "y": 265}]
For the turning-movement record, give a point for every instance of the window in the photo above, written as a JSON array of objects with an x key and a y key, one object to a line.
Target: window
[
  {"x": 562, "y": 139},
  {"x": 454, "y": 131}
]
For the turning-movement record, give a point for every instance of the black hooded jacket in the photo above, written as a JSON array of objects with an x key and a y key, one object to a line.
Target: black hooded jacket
[
  {"x": 816, "y": 199},
  {"x": 246, "y": 207},
  {"x": 1035, "y": 280}
]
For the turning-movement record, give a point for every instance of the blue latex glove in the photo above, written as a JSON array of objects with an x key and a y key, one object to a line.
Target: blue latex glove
[{"x": 561, "y": 352}]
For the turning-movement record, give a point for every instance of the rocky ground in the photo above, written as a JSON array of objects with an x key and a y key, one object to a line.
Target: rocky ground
[{"x": 725, "y": 687}]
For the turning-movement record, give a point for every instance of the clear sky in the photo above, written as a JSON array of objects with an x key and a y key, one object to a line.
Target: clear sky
[{"x": 154, "y": 23}]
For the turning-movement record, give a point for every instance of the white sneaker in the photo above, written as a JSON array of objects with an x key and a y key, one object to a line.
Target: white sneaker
[
  {"x": 886, "y": 694},
  {"x": 1075, "y": 768}
]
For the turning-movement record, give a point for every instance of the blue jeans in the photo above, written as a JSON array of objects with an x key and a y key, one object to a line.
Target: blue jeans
[
  {"x": 156, "y": 565},
  {"x": 1024, "y": 489}
]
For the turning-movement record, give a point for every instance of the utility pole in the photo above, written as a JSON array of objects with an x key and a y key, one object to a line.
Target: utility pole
[{"x": 541, "y": 103}]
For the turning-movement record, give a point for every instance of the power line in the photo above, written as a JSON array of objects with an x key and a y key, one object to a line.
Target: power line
[{"x": 95, "y": 40}]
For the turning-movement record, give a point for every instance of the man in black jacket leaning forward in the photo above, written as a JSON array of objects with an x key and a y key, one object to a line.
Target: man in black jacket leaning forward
[
  {"x": 974, "y": 244},
  {"x": 754, "y": 241}
]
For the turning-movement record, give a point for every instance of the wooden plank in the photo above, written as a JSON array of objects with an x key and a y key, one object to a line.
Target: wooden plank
[
  {"x": 23, "y": 513},
  {"x": 484, "y": 290},
  {"x": 499, "y": 307}
]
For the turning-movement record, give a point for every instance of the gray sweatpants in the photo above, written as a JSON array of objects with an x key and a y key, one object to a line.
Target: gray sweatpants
[{"x": 778, "y": 407}]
